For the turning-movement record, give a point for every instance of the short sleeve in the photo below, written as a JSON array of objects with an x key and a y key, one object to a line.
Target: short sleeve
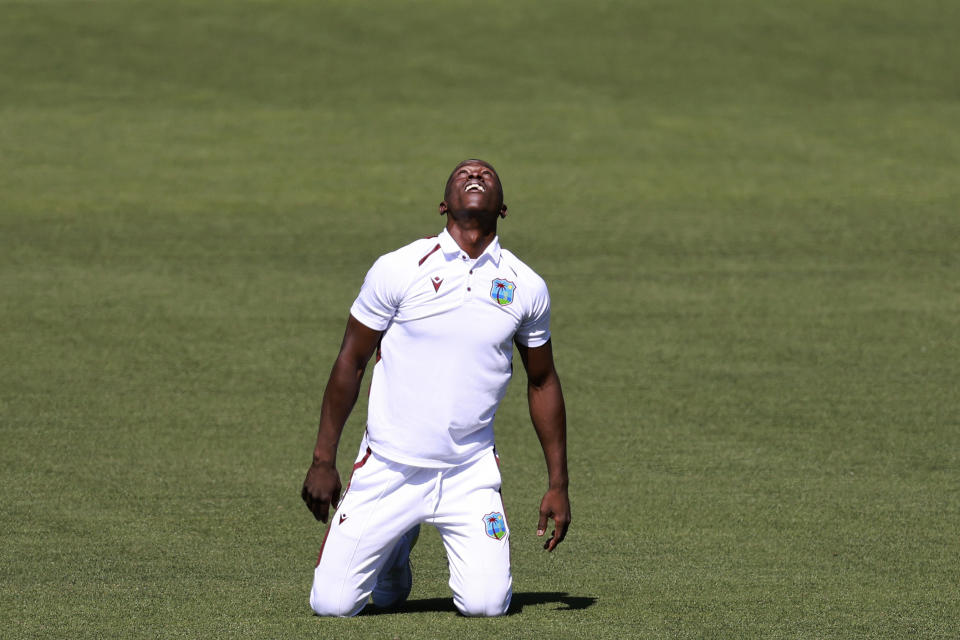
[
  {"x": 378, "y": 300},
  {"x": 534, "y": 329}
]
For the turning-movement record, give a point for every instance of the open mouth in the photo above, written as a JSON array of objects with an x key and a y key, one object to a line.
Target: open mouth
[{"x": 474, "y": 186}]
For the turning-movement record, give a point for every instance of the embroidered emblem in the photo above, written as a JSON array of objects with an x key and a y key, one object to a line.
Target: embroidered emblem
[
  {"x": 502, "y": 291},
  {"x": 343, "y": 517},
  {"x": 436, "y": 281},
  {"x": 495, "y": 525}
]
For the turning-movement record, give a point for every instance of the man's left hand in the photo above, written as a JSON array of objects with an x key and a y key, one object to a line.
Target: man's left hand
[{"x": 555, "y": 505}]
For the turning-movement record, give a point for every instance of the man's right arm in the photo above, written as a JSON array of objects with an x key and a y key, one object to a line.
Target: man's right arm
[{"x": 321, "y": 488}]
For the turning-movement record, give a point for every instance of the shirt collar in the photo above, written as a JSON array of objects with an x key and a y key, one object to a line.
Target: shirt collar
[{"x": 450, "y": 247}]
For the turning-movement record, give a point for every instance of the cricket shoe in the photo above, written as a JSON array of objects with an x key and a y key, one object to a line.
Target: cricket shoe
[{"x": 396, "y": 578}]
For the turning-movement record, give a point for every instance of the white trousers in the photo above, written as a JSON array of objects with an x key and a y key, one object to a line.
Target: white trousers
[{"x": 385, "y": 499}]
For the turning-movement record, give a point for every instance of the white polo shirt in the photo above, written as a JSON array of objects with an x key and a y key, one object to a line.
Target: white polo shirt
[{"x": 446, "y": 355}]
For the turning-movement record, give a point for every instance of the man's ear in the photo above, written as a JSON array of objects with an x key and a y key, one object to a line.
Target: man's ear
[
  {"x": 503, "y": 211},
  {"x": 444, "y": 208}
]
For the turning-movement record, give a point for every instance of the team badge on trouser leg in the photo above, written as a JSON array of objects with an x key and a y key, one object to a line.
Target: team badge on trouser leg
[
  {"x": 476, "y": 536},
  {"x": 495, "y": 526}
]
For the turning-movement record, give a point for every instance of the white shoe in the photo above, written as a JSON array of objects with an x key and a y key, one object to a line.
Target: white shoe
[{"x": 396, "y": 578}]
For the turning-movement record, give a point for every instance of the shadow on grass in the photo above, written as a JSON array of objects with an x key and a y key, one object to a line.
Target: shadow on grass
[{"x": 564, "y": 601}]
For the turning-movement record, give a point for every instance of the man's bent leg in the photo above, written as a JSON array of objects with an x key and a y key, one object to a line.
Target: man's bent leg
[
  {"x": 341, "y": 586},
  {"x": 395, "y": 577},
  {"x": 473, "y": 526},
  {"x": 377, "y": 509}
]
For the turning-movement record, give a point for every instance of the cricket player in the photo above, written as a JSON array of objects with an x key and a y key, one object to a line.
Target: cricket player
[{"x": 443, "y": 315}]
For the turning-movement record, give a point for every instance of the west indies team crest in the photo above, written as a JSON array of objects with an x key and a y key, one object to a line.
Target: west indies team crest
[
  {"x": 495, "y": 525},
  {"x": 502, "y": 291}
]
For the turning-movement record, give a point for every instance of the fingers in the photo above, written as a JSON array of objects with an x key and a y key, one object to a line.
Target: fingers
[
  {"x": 305, "y": 496},
  {"x": 551, "y": 543},
  {"x": 324, "y": 506},
  {"x": 321, "y": 489},
  {"x": 558, "y": 535},
  {"x": 321, "y": 510},
  {"x": 542, "y": 529},
  {"x": 318, "y": 507},
  {"x": 554, "y": 506}
]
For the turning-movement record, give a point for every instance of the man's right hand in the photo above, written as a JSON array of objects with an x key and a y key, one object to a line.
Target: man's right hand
[{"x": 321, "y": 489}]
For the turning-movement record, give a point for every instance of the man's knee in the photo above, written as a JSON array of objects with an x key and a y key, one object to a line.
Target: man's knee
[
  {"x": 326, "y": 602},
  {"x": 481, "y": 603}
]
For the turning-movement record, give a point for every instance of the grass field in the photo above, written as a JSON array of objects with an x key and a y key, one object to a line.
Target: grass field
[{"x": 747, "y": 212}]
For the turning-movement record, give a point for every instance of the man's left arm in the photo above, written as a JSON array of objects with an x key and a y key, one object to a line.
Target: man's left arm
[{"x": 550, "y": 422}]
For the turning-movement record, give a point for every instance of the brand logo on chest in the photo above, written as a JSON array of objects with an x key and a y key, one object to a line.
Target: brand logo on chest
[{"x": 436, "y": 281}]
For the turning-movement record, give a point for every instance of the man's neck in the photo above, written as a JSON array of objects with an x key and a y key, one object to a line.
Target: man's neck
[{"x": 472, "y": 239}]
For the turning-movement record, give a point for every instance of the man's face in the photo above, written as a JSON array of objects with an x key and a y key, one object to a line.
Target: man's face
[{"x": 475, "y": 187}]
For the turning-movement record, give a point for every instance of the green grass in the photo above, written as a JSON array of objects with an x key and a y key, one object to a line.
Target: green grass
[{"x": 747, "y": 215}]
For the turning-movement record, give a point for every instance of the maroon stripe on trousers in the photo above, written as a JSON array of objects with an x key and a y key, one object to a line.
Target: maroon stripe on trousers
[
  {"x": 362, "y": 461},
  {"x": 503, "y": 504}
]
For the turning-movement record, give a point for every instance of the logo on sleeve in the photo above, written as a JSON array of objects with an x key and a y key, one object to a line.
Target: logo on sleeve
[
  {"x": 495, "y": 525},
  {"x": 502, "y": 291}
]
